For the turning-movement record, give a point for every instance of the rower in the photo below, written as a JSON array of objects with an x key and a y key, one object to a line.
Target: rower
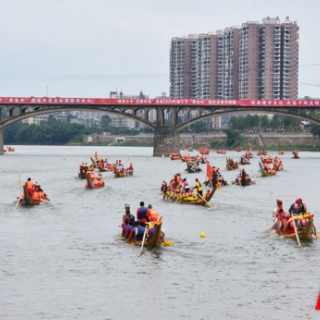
[
  {"x": 198, "y": 186},
  {"x": 142, "y": 214}
]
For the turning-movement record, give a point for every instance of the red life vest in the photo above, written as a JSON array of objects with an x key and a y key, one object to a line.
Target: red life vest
[{"x": 296, "y": 207}]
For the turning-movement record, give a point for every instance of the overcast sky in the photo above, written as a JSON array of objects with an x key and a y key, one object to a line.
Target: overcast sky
[{"x": 87, "y": 48}]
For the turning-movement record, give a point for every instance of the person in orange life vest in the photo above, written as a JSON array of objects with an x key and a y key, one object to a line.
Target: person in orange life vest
[
  {"x": 43, "y": 195},
  {"x": 152, "y": 214},
  {"x": 142, "y": 214},
  {"x": 36, "y": 196},
  {"x": 30, "y": 187},
  {"x": 98, "y": 182},
  {"x": 279, "y": 216}
]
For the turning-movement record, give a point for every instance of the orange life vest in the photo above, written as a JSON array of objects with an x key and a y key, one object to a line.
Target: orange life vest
[
  {"x": 36, "y": 196},
  {"x": 29, "y": 184},
  {"x": 153, "y": 215}
]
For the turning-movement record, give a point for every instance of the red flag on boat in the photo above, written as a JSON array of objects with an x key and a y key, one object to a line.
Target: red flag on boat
[
  {"x": 209, "y": 172},
  {"x": 96, "y": 154}
]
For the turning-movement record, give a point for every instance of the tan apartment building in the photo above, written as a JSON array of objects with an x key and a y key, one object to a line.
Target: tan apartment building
[{"x": 258, "y": 60}]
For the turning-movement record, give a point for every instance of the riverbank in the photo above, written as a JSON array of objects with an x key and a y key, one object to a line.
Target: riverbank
[{"x": 289, "y": 141}]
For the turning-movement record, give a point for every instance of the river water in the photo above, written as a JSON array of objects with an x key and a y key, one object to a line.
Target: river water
[{"x": 64, "y": 260}]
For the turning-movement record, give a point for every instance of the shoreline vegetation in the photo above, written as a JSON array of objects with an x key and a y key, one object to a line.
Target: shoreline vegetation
[{"x": 244, "y": 146}]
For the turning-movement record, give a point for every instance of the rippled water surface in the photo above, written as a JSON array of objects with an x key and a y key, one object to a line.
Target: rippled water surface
[{"x": 64, "y": 260}]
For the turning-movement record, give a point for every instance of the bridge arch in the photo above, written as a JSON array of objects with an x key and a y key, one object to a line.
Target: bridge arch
[
  {"x": 219, "y": 113},
  {"x": 38, "y": 111}
]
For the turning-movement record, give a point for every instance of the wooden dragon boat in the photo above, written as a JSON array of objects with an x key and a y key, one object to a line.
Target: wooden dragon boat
[
  {"x": 308, "y": 232},
  {"x": 175, "y": 156},
  {"x": 203, "y": 150},
  {"x": 200, "y": 201},
  {"x": 242, "y": 181},
  {"x": 27, "y": 201},
  {"x": 124, "y": 174},
  {"x": 263, "y": 172},
  {"x": 82, "y": 173},
  {"x": 221, "y": 151},
  {"x": 238, "y": 149},
  {"x": 262, "y": 152},
  {"x": 190, "y": 168},
  {"x": 229, "y": 166},
  {"x": 203, "y": 159},
  {"x": 156, "y": 237},
  {"x": 89, "y": 185},
  {"x": 295, "y": 154},
  {"x": 244, "y": 161}
]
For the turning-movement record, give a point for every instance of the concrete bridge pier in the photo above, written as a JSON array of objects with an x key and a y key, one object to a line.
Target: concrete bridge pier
[
  {"x": 1, "y": 141},
  {"x": 166, "y": 141}
]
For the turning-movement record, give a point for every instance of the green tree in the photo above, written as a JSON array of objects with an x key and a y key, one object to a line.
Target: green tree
[
  {"x": 264, "y": 121},
  {"x": 233, "y": 138},
  {"x": 105, "y": 122}
]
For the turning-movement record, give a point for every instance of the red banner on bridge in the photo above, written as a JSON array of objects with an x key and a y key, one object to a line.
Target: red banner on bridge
[{"x": 158, "y": 101}]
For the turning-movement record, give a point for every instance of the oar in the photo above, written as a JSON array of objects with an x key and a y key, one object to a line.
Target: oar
[
  {"x": 143, "y": 239},
  {"x": 205, "y": 200},
  {"x": 18, "y": 202},
  {"x": 296, "y": 232}
]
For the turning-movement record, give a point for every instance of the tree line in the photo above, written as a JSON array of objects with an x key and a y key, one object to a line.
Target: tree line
[{"x": 55, "y": 132}]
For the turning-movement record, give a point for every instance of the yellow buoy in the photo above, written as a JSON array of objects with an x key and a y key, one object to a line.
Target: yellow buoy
[{"x": 202, "y": 235}]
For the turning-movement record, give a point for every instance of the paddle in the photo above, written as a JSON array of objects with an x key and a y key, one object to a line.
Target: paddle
[
  {"x": 296, "y": 232},
  {"x": 205, "y": 200},
  {"x": 143, "y": 239},
  {"x": 18, "y": 202}
]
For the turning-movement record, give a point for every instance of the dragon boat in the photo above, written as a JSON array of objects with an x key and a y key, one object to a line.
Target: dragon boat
[
  {"x": 193, "y": 167},
  {"x": 263, "y": 172},
  {"x": 27, "y": 201},
  {"x": 262, "y": 152},
  {"x": 238, "y": 149},
  {"x": 175, "y": 156},
  {"x": 203, "y": 150},
  {"x": 244, "y": 161},
  {"x": 295, "y": 154},
  {"x": 280, "y": 152},
  {"x": 243, "y": 180},
  {"x": 122, "y": 173},
  {"x": 231, "y": 165},
  {"x": 156, "y": 237},
  {"x": 221, "y": 151},
  {"x": 89, "y": 184},
  {"x": 193, "y": 198},
  {"x": 308, "y": 231}
]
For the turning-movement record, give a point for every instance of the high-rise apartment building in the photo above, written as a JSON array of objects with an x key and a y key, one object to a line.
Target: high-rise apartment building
[{"x": 254, "y": 61}]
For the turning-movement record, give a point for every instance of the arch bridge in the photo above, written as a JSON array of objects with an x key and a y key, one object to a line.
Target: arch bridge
[{"x": 162, "y": 115}]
